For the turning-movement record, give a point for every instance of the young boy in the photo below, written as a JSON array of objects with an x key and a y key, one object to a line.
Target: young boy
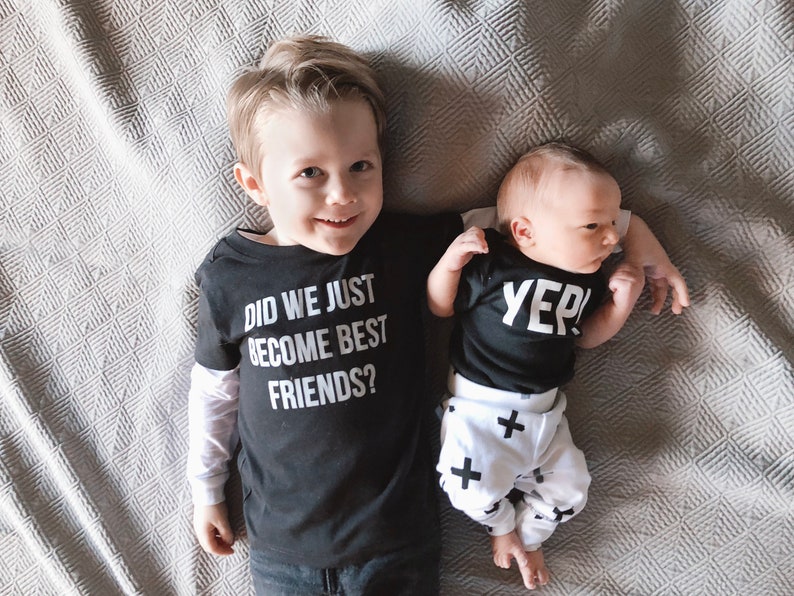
[
  {"x": 523, "y": 301},
  {"x": 310, "y": 344}
]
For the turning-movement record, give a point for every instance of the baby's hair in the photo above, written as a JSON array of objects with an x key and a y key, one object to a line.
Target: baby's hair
[
  {"x": 304, "y": 72},
  {"x": 522, "y": 182}
]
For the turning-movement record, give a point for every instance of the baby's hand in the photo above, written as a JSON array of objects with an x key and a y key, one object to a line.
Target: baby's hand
[
  {"x": 626, "y": 284},
  {"x": 442, "y": 283},
  {"x": 661, "y": 277},
  {"x": 643, "y": 249},
  {"x": 214, "y": 533},
  {"x": 463, "y": 248}
]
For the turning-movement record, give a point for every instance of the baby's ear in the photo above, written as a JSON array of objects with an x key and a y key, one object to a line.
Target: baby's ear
[
  {"x": 521, "y": 230},
  {"x": 245, "y": 177}
]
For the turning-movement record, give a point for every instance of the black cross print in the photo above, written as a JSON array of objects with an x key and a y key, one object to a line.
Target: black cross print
[
  {"x": 560, "y": 514},
  {"x": 466, "y": 473},
  {"x": 511, "y": 425},
  {"x": 493, "y": 509}
]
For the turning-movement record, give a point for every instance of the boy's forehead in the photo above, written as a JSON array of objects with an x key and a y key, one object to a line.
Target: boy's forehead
[
  {"x": 306, "y": 109},
  {"x": 267, "y": 113},
  {"x": 348, "y": 123}
]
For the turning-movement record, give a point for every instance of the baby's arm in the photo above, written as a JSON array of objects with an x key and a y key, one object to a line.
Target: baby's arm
[
  {"x": 626, "y": 285},
  {"x": 212, "y": 417},
  {"x": 640, "y": 247},
  {"x": 442, "y": 283},
  {"x": 643, "y": 250}
]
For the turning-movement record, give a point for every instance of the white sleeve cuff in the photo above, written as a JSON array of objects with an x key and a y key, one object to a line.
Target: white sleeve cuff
[
  {"x": 212, "y": 422},
  {"x": 623, "y": 222},
  {"x": 623, "y": 226},
  {"x": 485, "y": 217}
]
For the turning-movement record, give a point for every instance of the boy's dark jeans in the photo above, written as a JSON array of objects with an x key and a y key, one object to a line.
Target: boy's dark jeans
[{"x": 409, "y": 572}]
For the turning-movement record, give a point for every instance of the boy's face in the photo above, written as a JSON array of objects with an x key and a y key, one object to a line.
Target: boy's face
[
  {"x": 320, "y": 176},
  {"x": 572, "y": 227}
]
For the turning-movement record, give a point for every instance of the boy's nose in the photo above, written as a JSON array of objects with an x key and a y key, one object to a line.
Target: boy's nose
[
  {"x": 611, "y": 236},
  {"x": 340, "y": 192}
]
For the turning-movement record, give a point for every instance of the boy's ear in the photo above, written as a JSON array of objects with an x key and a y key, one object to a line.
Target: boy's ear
[
  {"x": 245, "y": 177},
  {"x": 521, "y": 229}
]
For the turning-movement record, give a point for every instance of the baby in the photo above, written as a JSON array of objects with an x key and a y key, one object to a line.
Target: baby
[{"x": 523, "y": 302}]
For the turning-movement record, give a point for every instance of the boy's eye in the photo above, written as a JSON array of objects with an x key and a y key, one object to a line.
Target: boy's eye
[
  {"x": 592, "y": 226},
  {"x": 359, "y": 166},
  {"x": 311, "y": 172}
]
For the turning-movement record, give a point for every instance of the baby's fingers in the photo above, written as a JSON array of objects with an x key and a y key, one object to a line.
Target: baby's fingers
[
  {"x": 473, "y": 240},
  {"x": 680, "y": 295}
]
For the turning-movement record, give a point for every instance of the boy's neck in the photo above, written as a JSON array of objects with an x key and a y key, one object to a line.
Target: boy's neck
[{"x": 262, "y": 238}]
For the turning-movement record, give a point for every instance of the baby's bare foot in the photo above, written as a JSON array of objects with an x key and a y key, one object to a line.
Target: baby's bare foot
[
  {"x": 535, "y": 572},
  {"x": 506, "y": 548},
  {"x": 531, "y": 565}
]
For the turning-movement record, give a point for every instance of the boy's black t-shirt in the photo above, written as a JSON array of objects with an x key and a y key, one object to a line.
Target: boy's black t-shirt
[
  {"x": 334, "y": 464},
  {"x": 518, "y": 320}
]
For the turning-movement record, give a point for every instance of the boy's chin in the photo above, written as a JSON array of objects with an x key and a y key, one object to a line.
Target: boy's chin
[{"x": 337, "y": 248}]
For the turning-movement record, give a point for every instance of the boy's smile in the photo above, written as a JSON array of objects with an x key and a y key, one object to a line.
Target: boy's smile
[{"x": 320, "y": 177}]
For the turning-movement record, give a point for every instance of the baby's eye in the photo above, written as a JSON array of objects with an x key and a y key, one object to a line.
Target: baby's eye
[
  {"x": 311, "y": 172},
  {"x": 592, "y": 226},
  {"x": 360, "y": 166}
]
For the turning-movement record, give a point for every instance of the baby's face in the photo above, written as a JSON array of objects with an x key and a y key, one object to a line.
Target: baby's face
[
  {"x": 574, "y": 224},
  {"x": 321, "y": 175}
]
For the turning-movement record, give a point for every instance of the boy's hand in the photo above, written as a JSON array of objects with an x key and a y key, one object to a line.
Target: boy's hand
[
  {"x": 463, "y": 248},
  {"x": 626, "y": 284},
  {"x": 214, "y": 533}
]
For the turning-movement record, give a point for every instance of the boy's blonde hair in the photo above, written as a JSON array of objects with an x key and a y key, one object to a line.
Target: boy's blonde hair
[
  {"x": 305, "y": 72},
  {"x": 522, "y": 183}
]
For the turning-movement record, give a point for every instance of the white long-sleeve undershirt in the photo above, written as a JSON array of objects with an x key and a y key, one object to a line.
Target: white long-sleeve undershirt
[{"x": 212, "y": 422}]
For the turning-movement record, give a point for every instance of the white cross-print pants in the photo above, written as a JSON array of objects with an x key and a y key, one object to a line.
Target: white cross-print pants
[{"x": 493, "y": 441}]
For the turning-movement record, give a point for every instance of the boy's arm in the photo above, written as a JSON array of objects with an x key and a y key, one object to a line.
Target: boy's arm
[
  {"x": 626, "y": 285},
  {"x": 212, "y": 422},
  {"x": 642, "y": 249},
  {"x": 442, "y": 283}
]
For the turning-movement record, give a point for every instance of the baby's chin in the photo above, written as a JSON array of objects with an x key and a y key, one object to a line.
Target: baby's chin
[{"x": 583, "y": 269}]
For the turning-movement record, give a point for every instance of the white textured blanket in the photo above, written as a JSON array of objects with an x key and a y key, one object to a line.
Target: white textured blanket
[{"x": 115, "y": 170}]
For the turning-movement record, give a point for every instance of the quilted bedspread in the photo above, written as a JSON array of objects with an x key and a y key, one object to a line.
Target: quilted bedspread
[{"x": 116, "y": 178}]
